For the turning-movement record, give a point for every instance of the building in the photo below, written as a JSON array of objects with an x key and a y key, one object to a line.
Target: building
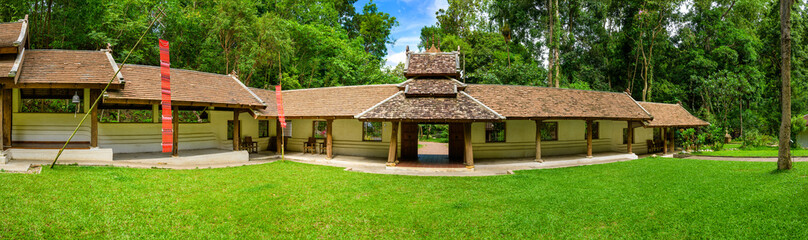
[{"x": 378, "y": 121}]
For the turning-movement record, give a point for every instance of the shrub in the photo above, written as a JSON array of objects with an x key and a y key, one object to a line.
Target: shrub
[
  {"x": 752, "y": 139},
  {"x": 716, "y": 137},
  {"x": 797, "y": 126},
  {"x": 688, "y": 138}
]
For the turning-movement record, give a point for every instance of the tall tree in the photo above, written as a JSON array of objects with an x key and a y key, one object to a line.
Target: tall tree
[{"x": 784, "y": 154}]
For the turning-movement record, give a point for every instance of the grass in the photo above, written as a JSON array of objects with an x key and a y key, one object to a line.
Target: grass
[
  {"x": 735, "y": 151},
  {"x": 646, "y": 198}
]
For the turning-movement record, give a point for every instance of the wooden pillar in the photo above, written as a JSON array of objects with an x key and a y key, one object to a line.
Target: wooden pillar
[
  {"x": 328, "y": 140},
  {"x": 630, "y": 137},
  {"x": 589, "y": 138},
  {"x": 664, "y": 141},
  {"x": 278, "y": 136},
  {"x": 7, "y": 109},
  {"x": 468, "y": 155},
  {"x": 236, "y": 131},
  {"x": 391, "y": 154},
  {"x": 538, "y": 140},
  {"x": 2, "y": 122},
  {"x": 673, "y": 140},
  {"x": 94, "y": 118},
  {"x": 175, "y": 120}
]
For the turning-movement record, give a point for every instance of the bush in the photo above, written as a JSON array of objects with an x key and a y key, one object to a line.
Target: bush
[
  {"x": 716, "y": 137},
  {"x": 797, "y": 126},
  {"x": 688, "y": 138},
  {"x": 752, "y": 139}
]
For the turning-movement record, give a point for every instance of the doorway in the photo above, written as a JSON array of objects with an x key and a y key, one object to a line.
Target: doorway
[{"x": 432, "y": 143}]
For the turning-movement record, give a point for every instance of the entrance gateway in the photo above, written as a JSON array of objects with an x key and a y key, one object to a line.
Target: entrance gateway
[{"x": 410, "y": 142}]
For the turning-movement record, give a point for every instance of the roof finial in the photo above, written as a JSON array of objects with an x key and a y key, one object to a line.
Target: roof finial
[
  {"x": 408, "y": 48},
  {"x": 109, "y": 47}
]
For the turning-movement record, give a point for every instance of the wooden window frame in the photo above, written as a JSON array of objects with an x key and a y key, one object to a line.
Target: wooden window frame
[
  {"x": 266, "y": 130},
  {"x": 314, "y": 129},
  {"x": 544, "y": 127},
  {"x": 364, "y": 132},
  {"x": 491, "y": 130}
]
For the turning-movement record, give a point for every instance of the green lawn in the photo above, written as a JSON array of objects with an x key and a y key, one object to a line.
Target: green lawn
[
  {"x": 755, "y": 152},
  {"x": 647, "y": 198}
]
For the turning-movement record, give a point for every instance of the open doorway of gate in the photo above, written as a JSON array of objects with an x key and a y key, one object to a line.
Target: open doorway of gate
[{"x": 433, "y": 143}]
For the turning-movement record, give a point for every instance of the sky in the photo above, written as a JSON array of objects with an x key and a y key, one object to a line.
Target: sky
[{"x": 412, "y": 15}]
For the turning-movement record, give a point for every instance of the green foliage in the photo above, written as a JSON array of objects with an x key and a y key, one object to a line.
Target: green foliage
[
  {"x": 798, "y": 125},
  {"x": 752, "y": 139},
  {"x": 688, "y": 137},
  {"x": 716, "y": 137}
]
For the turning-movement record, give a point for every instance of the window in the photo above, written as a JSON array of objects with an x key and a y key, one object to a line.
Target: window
[
  {"x": 319, "y": 129},
  {"x": 230, "y": 129},
  {"x": 549, "y": 131},
  {"x": 595, "y": 130},
  {"x": 263, "y": 128},
  {"x": 372, "y": 131},
  {"x": 495, "y": 132},
  {"x": 625, "y": 137},
  {"x": 50, "y": 106},
  {"x": 287, "y": 132},
  {"x": 125, "y": 116}
]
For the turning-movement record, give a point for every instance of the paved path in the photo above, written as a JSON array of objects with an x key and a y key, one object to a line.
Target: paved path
[
  {"x": 746, "y": 159},
  {"x": 433, "y": 148}
]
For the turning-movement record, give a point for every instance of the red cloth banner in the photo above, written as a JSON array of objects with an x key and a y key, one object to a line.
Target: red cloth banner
[
  {"x": 279, "y": 98},
  {"x": 165, "y": 92}
]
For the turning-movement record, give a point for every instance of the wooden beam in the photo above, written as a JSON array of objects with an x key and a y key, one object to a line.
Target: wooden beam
[
  {"x": 175, "y": 120},
  {"x": 94, "y": 118},
  {"x": 392, "y": 151},
  {"x": 589, "y": 138},
  {"x": 629, "y": 138},
  {"x": 664, "y": 141},
  {"x": 328, "y": 140},
  {"x": 468, "y": 155},
  {"x": 538, "y": 140},
  {"x": 7, "y": 111},
  {"x": 236, "y": 131}
]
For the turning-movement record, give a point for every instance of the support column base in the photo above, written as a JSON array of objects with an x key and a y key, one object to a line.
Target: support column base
[
  {"x": 470, "y": 166},
  {"x": 539, "y": 160},
  {"x": 391, "y": 164},
  {"x": 588, "y": 156},
  {"x": 3, "y": 157}
]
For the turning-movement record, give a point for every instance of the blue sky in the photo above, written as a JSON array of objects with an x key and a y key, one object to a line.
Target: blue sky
[{"x": 412, "y": 15}]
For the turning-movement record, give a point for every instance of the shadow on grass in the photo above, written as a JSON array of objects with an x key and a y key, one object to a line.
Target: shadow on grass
[{"x": 780, "y": 171}]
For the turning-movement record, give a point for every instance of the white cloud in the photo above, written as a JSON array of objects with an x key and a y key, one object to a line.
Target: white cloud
[{"x": 395, "y": 58}]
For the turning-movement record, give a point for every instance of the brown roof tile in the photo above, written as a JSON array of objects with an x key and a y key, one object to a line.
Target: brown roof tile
[
  {"x": 325, "y": 102},
  {"x": 541, "y": 102},
  {"x": 431, "y": 87},
  {"x": 67, "y": 67},
  {"x": 10, "y": 33},
  {"x": 399, "y": 107},
  {"x": 671, "y": 115},
  {"x": 191, "y": 87},
  {"x": 432, "y": 64},
  {"x": 6, "y": 63}
]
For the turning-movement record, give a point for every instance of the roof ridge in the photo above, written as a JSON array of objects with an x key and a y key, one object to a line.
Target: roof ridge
[
  {"x": 179, "y": 69},
  {"x": 347, "y": 86},
  {"x": 65, "y": 50},
  {"x": 675, "y": 104},
  {"x": 248, "y": 90},
  {"x": 639, "y": 105}
]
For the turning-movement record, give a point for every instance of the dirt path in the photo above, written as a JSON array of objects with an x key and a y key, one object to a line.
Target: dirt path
[{"x": 433, "y": 148}]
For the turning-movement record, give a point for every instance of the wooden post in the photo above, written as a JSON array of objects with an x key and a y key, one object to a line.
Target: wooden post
[
  {"x": 328, "y": 140},
  {"x": 589, "y": 138},
  {"x": 469, "y": 152},
  {"x": 664, "y": 141},
  {"x": 156, "y": 113},
  {"x": 236, "y": 131},
  {"x": 175, "y": 120},
  {"x": 538, "y": 140},
  {"x": 278, "y": 136},
  {"x": 94, "y": 119},
  {"x": 391, "y": 154},
  {"x": 673, "y": 140},
  {"x": 630, "y": 137},
  {"x": 8, "y": 103},
  {"x": 2, "y": 122}
]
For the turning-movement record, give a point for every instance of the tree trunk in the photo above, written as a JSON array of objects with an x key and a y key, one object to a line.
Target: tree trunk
[
  {"x": 550, "y": 45},
  {"x": 556, "y": 43},
  {"x": 784, "y": 154}
]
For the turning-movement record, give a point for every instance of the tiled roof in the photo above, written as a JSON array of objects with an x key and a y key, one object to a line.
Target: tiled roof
[
  {"x": 67, "y": 67},
  {"x": 187, "y": 88},
  {"x": 541, "y": 102},
  {"x": 10, "y": 33},
  {"x": 432, "y": 64},
  {"x": 431, "y": 87},
  {"x": 671, "y": 115},
  {"x": 399, "y": 107},
  {"x": 325, "y": 102},
  {"x": 6, "y": 62}
]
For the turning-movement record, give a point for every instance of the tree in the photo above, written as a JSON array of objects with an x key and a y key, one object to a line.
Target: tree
[
  {"x": 784, "y": 154},
  {"x": 374, "y": 28}
]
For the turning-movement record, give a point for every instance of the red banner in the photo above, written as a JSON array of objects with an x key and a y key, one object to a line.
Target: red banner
[
  {"x": 279, "y": 98},
  {"x": 165, "y": 87}
]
